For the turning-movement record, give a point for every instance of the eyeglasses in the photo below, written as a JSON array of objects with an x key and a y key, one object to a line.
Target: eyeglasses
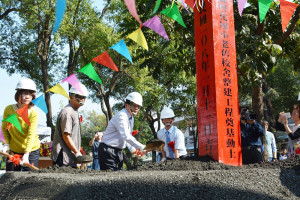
[
  {"x": 26, "y": 92},
  {"x": 77, "y": 96}
]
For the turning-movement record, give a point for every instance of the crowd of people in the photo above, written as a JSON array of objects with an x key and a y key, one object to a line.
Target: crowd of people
[{"x": 108, "y": 146}]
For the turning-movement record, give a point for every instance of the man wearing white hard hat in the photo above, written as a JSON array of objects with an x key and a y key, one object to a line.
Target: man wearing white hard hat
[
  {"x": 67, "y": 136},
  {"x": 118, "y": 135},
  {"x": 174, "y": 139}
]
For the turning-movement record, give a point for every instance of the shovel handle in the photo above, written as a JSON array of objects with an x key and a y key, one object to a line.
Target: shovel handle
[{"x": 26, "y": 164}]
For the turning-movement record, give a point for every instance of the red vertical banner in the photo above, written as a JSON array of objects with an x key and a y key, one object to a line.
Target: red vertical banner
[{"x": 217, "y": 88}]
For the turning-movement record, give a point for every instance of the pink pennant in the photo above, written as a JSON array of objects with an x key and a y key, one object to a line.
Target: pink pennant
[
  {"x": 1, "y": 135},
  {"x": 132, "y": 9},
  {"x": 241, "y": 5},
  {"x": 72, "y": 80},
  {"x": 155, "y": 24}
]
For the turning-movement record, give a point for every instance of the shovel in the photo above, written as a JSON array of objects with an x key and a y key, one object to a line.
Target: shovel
[
  {"x": 26, "y": 164},
  {"x": 83, "y": 159},
  {"x": 154, "y": 145}
]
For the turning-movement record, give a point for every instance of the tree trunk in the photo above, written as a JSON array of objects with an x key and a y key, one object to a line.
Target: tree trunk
[
  {"x": 257, "y": 102},
  {"x": 269, "y": 114}
]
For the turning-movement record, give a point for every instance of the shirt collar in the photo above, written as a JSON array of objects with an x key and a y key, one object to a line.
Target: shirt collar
[
  {"x": 170, "y": 130},
  {"x": 127, "y": 113}
]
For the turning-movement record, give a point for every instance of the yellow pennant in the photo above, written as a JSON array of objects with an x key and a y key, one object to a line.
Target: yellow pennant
[
  {"x": 59, "y": 90},
  {"x": 139, "y": 38}
]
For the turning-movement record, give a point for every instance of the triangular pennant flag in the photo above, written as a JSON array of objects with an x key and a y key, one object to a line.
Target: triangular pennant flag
[
  {"x": 122, "y": 49},
  {"x": 132, "y": 9},
  {"x": 139, "y": 38},
  {"x": 190, "y": 3},
  {"x": 105, "y": 59},
  {"x": 173, "y": 12},
  {"x": 59, "y": 90},
  {"x": 287, "y": 10},
  {"x": 59, "y": 13},
  {"x": 157, "y": 4},
  {"x": 90, "y": 72},
  {"x": 155, "y": 24},
  {"x": 241, "y": 5},
  {"x": 41, "y": 103},
  {"x": 23, "y": 112},
  {"x": 14, "y": 120},
  {"x": 2, "y": 136},
  {"x": 263, "y": 6},
  {"x": 72, "y": 80}
]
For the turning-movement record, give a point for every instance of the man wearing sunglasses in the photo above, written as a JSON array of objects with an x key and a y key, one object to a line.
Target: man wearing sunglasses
[{"x": 67, "y": 136}]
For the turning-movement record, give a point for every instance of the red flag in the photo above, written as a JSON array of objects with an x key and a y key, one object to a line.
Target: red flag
[
  {"x": 81, "y": 119},
  {"x": 190, "y": 3},
  {"x": 287, "y": 10},
  {"x": 105, "y": 59},
  {"x": 23, "y": 112}
]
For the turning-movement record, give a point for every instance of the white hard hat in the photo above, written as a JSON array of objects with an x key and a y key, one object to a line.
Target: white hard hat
[
  {"x": 26, "y": 84},
  {"x": 136, "y": 98},
  {"x": 167, "y": 113},
  {"x": 83, "y": 89}
]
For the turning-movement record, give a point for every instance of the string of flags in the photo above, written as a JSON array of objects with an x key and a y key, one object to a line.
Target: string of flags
[{"x": 286, "y": 8}]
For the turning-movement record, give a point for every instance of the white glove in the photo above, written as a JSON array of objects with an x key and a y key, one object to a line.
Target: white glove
[
  {"x": 142, "y": 148},
  {"x": 163, "y": 160},
  {"x": 5, "y": 148},
  {"x": 25, "y": 159},
  {"x": 78, "y": 154}
]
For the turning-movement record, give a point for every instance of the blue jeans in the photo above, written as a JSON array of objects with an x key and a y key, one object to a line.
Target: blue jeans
[{"x": 96, "y": 165}]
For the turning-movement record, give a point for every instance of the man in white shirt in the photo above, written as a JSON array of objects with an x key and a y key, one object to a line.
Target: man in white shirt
[
  {"x": 174, "y": 139},
  {"x": 118, "y": 135},
  {"x": 271, "y": 143}
]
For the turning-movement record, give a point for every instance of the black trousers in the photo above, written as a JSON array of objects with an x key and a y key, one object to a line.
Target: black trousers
[
  {"x": 33, "y": 158},
  {"x": 252, "y": 154},
  {"x": 110, "y": 157}
]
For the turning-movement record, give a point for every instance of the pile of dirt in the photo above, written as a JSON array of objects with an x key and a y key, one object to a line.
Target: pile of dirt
[{"x": 194, "y": 178}]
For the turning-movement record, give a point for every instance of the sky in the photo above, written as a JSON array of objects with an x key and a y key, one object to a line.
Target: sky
[{"x": 8, "y": 85}]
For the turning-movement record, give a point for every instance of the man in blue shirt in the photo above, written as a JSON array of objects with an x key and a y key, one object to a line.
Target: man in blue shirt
[
  {"x": 95, "y": 142},
  {"x": 251, "y": 131}
]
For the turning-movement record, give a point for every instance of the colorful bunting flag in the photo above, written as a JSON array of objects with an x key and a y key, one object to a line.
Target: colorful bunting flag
[
  {"x": 173, "y": 12},
  {"x": 59, "y": 13},
  {"x": 90, "y": 72},
  {"x": 263, "y": 6},
  {"x": 14, "y": 120},
  {"x": 132, "y": 9},
  {"x": 59, "y": 90},
  {"x": 105, "y": 59},
  {"x": 2, "y": 136},
  {"x": 157, "y": 4},
  {"x": 139, "y": 38},
  {"x": 122, "y": 49},
  {"x": 190, "y": 3},
  {"x": 241, "y": 5},
  {"x": 41, "y": 103},
  {"x": 155, "y": 24},
  {"x": 23, "y": 112},
  {"x": 72, "y": 80},
  {"x": 287, "y": 10}
]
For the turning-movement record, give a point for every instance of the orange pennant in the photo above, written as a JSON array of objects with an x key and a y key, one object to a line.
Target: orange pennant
[
  {"x": 287, "y": 10},
  {"x": 8, "y": 126},
  {"x": 105, "y": 59},
  {"x": 23, "y": 112}
]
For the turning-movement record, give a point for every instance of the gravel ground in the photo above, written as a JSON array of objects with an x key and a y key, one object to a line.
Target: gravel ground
[{"x": 180, "y": 179}]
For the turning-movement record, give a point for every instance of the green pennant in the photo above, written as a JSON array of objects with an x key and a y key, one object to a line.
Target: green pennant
[
  {"x": 263, "y": 6},
  {"x": 173, "y": 12},
  {"x": 90, "y": 72},
  {"x": 157, "y": 4},
  {"x": 13, "y": 119}
]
